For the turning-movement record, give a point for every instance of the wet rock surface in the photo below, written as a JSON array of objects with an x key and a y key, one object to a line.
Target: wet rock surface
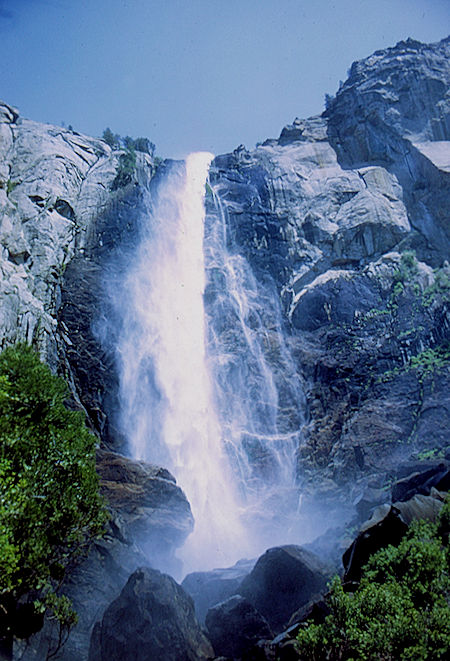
[{"x": 283, "y": 580}]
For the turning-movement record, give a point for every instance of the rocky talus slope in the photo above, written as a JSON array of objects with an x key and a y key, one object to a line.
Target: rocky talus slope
[{"x": 346, "y": 218}]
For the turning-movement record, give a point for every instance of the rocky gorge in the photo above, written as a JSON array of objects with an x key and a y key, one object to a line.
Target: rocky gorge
[{"x": 344, "y": 221}]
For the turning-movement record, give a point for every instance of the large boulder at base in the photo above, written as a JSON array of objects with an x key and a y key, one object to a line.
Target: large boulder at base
[
  {"x": 283, "y": 579},
  {"x": 208, "y": 588},
  {"x": 235, "y": 626},
  {"x": 150, "y": 518},
  {"x": 153, "y": 618}
]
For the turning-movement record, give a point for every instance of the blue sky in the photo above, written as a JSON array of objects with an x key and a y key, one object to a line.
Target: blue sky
[{"x": 194, "y": 74}]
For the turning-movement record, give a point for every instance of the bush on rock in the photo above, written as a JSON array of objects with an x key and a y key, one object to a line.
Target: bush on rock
[{"x": 399, "y": 611}]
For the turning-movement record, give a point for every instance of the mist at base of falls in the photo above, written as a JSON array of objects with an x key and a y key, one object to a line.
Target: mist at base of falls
[{"x": 207, "y": 386}]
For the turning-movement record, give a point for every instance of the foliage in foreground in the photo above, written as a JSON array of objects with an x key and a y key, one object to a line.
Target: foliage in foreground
[
  {"x": 400, "y": 610},
  {"x": 50, "y": 506}
]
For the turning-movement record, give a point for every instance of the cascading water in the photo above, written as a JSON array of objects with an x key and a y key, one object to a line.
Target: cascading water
[
  {"x": 207, "y": 387},
  {"x": 258, "y": 393},
  {"x": 164, "y": 379}
]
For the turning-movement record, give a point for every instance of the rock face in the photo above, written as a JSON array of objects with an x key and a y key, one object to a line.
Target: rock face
[
  {"x": 53, "y": 182},
  {"x": 394, "y": 109},
  {"x": 346, "y": 214},
  {"x": 283, "y": 579},
  {"x": 153, "y": 510},
  {"x": 153, "y": 618}
]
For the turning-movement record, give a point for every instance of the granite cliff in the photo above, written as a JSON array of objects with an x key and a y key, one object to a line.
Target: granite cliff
[
  {"x": 347, "y": 215},
  {"x": 344, "y": 217}
]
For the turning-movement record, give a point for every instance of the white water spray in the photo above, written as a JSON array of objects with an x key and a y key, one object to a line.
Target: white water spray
[
  {"x": 166, "y": 393},
  {"x": 207, "y": 388}
]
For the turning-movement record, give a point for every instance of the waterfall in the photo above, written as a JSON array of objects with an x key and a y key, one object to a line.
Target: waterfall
[
  {"x": 207, "y": 386},
  {"x": 167, "y": 407}
]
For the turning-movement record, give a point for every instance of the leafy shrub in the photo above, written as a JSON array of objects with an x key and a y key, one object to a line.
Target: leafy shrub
[
  {"x": 10, "y": 186},
  {"x": 50, "y": 508},
  {"x": 407, "y": 268},
  {"x": 400, "y": 610}
]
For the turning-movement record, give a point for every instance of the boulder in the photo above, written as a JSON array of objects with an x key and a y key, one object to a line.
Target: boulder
[
  {"x": 316, "y": 610},
  {"x": 234, "y": 626},
  {"x": 283, "y": 580},
  {"x": 153, "y": 618},
  {"x": 387, "y": 525},
  {"x": 211, "y": 587},
  {"x": 421, "y": 507},
  {"x": 150, "y": 517},
  {"x": 148, "y": 507}
]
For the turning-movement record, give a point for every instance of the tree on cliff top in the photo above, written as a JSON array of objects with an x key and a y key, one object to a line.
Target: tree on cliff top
[{"x": 50, "y": 508}]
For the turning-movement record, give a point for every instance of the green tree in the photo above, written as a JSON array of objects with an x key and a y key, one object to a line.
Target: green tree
[
  {"x": 112, "y": 139},
  {"x": 400, "y": 610},
  {"x": 145, "y": 145},
  {"x": 50, "y": 508}
]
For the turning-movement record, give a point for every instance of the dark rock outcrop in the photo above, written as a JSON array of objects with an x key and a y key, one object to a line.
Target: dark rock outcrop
[
  {"x": 283, "y": 579},
  {"x": 421, "y": 482},
  {"x": 153, "y": 618},
  {"x": 234, "y": 626},
  {"x": 385, "y": 527},
  {"x": 211, "y": 587}
]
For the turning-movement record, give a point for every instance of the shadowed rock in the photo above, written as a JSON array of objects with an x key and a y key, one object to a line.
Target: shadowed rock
[
  {"x": 283, "y": 579},
  {"x": 153, "y": 618},
  {"x": 235, "y": 626},
  {"x": 211, "y": 587},
  {"x": 387, "y": 525},
  {"x": 422, "y": 482}
]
